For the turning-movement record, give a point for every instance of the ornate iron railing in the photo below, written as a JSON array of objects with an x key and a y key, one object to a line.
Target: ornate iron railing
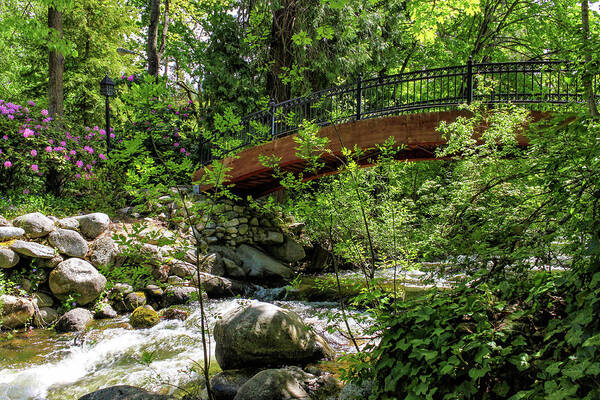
[{"x": 540, "y": 83}]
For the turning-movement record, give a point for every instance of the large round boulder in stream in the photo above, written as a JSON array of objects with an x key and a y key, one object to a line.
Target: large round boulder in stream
[
  {"x": 262, "y": 334},
  {"x": 79, "y": 278},
  {"x": 124, "y": 392},
  {"x": 144, "y": 317}
]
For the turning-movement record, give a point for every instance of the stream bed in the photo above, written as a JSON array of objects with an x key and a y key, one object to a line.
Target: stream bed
[{"x": 42, "y": 364}]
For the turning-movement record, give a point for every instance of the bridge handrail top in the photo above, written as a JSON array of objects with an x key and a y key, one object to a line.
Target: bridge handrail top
[{"x": 352, "y": 85}]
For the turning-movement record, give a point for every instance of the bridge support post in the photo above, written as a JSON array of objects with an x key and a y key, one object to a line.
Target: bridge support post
[
  {"x": 272, "y": 105},
  {"x": 358, "y": 96},
  {"x": 470, "y": 80}
]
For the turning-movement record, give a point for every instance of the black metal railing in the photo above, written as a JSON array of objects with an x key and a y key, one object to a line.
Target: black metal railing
[{"x": 540, "y": 83}]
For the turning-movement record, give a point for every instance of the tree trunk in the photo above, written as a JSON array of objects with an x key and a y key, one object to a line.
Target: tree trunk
[
  {"x": 280, "y": 52},
  {"x": 588, "y": 74},
  {"x": 56, "y": 63},
  {"x": 152, "y": 46}
]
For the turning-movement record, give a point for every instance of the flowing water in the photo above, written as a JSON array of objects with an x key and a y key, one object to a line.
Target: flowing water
[{"x": 44, "y": 365}]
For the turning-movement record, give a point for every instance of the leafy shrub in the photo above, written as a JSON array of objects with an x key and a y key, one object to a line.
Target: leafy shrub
[{"x": 36, "y": 151}]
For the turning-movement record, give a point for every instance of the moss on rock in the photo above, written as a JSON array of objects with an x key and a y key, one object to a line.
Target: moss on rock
[{"x": 144, "y": 317}]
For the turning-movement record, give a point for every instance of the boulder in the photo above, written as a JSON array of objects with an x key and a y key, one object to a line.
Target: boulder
[
  {"x": 69, "y": 242},
  {"x": 182, "y": 269},
  {"x": 15, "y": 311},
  {"x": 77, "y": 277},
  {"x": 51, "y": 263},
  {"x": 104, "y": 310},
  {"x": 262, "y": 334},
  {"x": 273, "y": 384},
  {"x": 290, "y": 251},
  {"x": 175, "y": 295},
  {"x": 124, "y": 392},
  {"x": 8, "y": 258},
  {"x": 232, "y": 269},
  {"x": 92, "y": 225},
  {"x": 226, "y": 384},
  {"x": 104, "y": 251},
  {"x": 42, "y": 300},
  {"x": 3, "y": 221},
  {"x": 217, "y": 286},
  {"x": 175, "y": 313},
  {"x": 44, "y": 317},
  {"x": 32, "y": 249},
  {"x": 68, "y": 223},
  {"x": 135, "y": 300},
  {"x": 144, "y": 317},
  {"x": 73, "y": 321},
  {"x": 10, "y": 233},
  {"x": 154, "y": 294},
  {"x": 35, "y": 224},
  {"x": 257, "y": 264},
  {"x": 212, "y": 263},
  {"x": 289, "y": 383}
]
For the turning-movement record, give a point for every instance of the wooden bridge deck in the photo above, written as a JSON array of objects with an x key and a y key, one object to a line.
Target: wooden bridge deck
[{"x": 417, "y": 132}]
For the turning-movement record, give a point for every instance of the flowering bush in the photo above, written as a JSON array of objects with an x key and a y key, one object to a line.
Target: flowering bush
[{"x": 35, "y": 150}]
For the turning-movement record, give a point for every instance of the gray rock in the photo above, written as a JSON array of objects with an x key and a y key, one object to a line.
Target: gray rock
[
  {"x": 257, "y": 264},
  {"x": 74, "y": 320},
  {"x": 35, "y": 224},
  {"x": 69, "y": 242},
  {"x": 135, "y": 300},
  {"x": 4, "y": 221},
  {"x": 232, "y": 269},
  {"x": 51, "y": 262},
  {"x": 217, "y": 286},
  {"x": 15, "y": 311},
  {"x": 10, "y": 232},
  {"x": 68, "y": 223},
  {"x": 44, "y": 317},
  {"x": 32, "y": 249},
  {"x": 104, "y": 252},
  {"x": 226, "y": 384},
  {"x": 8, "y": 258},
  {"x": 273, "y": 384},
  {"x": 289, "y": 383},
  {"x": 290, "y": 251},
  {"x": 175, "y": 280},
  {"x": 212, "y": 263},
  {"x": 42, "y": 300},
  {"x": 262, "y": 334},
  {"x": 119, "y": 291},
  {"x": 175, "y": 295},
  {"x": 77, "y": 277},
  {"x": 124, "y": 392},
  {"x": 105, "y": 310},
  {"x": 92, "y": 225},
  {"x": 182, "y": 269}
]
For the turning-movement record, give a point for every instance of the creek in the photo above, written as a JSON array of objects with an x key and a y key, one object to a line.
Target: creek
[{"x": 42, "y": 364}]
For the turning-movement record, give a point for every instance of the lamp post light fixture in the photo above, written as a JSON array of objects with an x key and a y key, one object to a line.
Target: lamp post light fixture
[{"x": 107, "y": 89}]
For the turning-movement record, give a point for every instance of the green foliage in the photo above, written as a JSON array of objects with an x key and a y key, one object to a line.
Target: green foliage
[{"x": 521, "y": 339}]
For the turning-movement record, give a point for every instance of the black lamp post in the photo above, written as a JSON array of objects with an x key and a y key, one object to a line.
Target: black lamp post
[{"x": 107, "y": 89}]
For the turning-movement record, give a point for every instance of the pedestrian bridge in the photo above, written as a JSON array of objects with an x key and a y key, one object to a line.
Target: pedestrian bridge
[{"x": 407, "y": 107}]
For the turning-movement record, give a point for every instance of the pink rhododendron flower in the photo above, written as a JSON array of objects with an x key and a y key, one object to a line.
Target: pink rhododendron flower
[
  {"x": 63, "y": 143},
  {"x": 96, "y": 128},
  {"x": 182, "y": 150},
  {"x": 77, "y": 176},
  {"x": 112, "y": 135},
  {"x": 102, "y": 156},
  {"x": 7, "y": 164},
  {"x": 130, "y": 78},
  {"x": 79, "y": 163},
  {"x": 176, "y": 144},
  {"x": 27, "y": 132},
  {"x": 31, "y": 103},
  {"x": 34, "y": 167},
  {"x": 51, "y": 141},
  {"x": 102, "y": 132},
  {"x": 10, "y": 116},
  {"x": 33, "y": 153},
  {"x": 5, "y": 137},
  {"x": 48, "y": 149},
  {"x": 44, "y": 112},
  {"x": 73, "y": 152}
]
